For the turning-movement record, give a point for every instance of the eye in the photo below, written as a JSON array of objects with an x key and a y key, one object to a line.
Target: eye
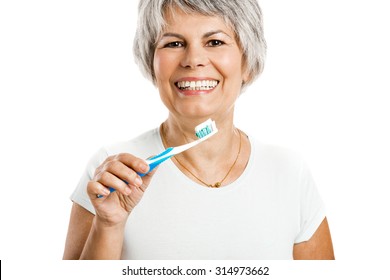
[
  {"x": 176, "y": 44},
  {"x": 215, "y": 43}
]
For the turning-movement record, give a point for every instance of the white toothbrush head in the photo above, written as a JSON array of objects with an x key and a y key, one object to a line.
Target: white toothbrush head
[
  {"x": 203, "y": 131},
  {"x": 206, "y": 129}
]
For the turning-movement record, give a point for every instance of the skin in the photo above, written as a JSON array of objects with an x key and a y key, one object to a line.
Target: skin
[
  {"x": 318, "y": 247},
  {"x": 191, "y": 47},
  {"x": 201, "y": 47}
]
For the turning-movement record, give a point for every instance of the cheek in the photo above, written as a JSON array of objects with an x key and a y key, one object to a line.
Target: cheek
[
  {"x": 157, "y": 66},
  {"x": 161, "y": 67},
  {"x": 230, "y": 67},
  {"x": 165, "y": 63}
]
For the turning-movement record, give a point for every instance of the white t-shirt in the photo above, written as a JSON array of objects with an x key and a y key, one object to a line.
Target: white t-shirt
[{"x": 271, "y": 206}]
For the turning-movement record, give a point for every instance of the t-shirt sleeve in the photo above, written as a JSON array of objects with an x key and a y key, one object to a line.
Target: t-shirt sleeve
[
  {"x": 80, "y": 195},
  {"x": 312, "y": 208}
]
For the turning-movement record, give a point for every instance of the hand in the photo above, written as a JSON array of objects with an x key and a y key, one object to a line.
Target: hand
[{"x": 114, "y": 208}]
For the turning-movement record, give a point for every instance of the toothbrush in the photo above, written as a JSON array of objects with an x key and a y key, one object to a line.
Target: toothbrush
[{"x": 203, "y": 131}]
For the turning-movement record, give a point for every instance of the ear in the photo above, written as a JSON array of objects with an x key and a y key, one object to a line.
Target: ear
[{"x": 245, "y": 76}]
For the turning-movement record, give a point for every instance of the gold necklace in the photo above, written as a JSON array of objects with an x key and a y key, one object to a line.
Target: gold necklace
[{"x": 217, "y": 184}]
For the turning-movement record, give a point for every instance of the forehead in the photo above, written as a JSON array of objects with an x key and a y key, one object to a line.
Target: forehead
[{"x": 175, "y": 17}]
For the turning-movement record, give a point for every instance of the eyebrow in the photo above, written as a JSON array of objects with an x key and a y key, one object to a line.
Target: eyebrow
[{"x": 206, "y": 35}]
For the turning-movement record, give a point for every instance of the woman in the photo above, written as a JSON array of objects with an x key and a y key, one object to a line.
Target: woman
[{"x": 229, "y": 197}]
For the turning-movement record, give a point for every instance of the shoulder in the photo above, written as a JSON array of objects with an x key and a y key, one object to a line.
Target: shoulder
[
  {"x": 139, "y": 146},
  {"x": 281, "y": 165},
  {"x": 276, "y": 156}
]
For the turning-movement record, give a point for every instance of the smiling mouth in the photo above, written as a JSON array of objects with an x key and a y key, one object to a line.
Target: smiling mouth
[{"x": 197, "y": 85}]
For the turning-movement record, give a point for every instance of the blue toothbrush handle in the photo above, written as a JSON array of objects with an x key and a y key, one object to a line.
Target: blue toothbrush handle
[
  {"x": 161, "y": 158},
  {"x": 156, "y": 160},
  {"x": 154, "y": 164}
]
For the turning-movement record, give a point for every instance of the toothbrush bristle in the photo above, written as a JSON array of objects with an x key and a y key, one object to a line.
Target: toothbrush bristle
[{"x": 206, "y": 128}]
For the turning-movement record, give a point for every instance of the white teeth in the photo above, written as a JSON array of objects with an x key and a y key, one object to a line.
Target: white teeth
[{"x": 197, "y": 85}]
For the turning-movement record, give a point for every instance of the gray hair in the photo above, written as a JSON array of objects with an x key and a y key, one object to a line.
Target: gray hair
[{"x": 244, "y": 16}]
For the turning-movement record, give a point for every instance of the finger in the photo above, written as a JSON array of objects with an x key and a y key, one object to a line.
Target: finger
[
  {"x": 109, "y": 180},
  {"x": 96, "y": 190},
  {"x": 137, "y": 164},
  {"x": 147, "y": 179},
  {"x": 124, "y": 172}
]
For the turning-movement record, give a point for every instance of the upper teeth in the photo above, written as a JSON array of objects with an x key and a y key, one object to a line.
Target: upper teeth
[{"x": 197, "y": 85}]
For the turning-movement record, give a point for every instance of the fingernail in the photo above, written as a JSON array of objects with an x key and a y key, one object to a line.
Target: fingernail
[
  {"x": 127, "y": 191},
  {"x": 144, "y": 167},
  {"x": 138, "y": 181}
]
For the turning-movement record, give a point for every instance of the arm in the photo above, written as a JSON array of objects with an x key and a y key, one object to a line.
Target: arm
[
  {"x": 100, "y": 236},
  {"x": 90, "y": 238},
  {"x": 318, "y": 247},
  {"x": 79, "y": 227},
  {"x": 104, "y": 242}
]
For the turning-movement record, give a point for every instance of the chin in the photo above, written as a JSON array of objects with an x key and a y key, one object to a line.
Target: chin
[{"x": 195, "y": 108}]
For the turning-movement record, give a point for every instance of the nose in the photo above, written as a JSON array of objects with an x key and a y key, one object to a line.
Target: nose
[{"x": 194, "y": 57}]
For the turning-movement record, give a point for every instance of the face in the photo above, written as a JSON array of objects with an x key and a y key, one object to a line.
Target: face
[{"x": 198, "y": 66}]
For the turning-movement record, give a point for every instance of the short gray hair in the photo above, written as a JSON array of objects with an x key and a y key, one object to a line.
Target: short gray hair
[{"x": 244, "y": 16}]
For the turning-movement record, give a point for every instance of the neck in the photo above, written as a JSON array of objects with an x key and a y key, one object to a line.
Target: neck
[
  {"x": 178, "y": 132},
  {"x": 211, "y": 159},
  {"x": 219, "y": 159}
]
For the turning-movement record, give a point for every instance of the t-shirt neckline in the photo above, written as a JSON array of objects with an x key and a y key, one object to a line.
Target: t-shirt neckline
[{"x": 187, "y": 182}]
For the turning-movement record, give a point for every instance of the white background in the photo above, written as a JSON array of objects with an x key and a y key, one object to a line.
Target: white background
[{"x": 69, "y": 85}]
